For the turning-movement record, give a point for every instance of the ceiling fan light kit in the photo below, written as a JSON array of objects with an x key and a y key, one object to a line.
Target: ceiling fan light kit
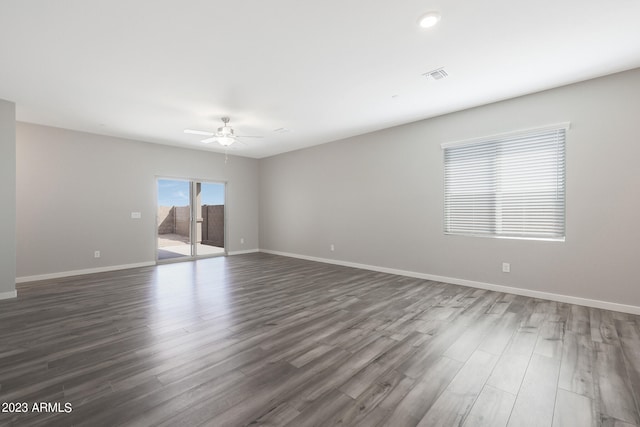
[
  {"x": 429, "y": 19},
  {"x": 225, "y": 140},
  {"x": 225, "y": 135}
]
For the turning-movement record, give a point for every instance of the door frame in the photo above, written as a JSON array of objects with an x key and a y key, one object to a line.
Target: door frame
[{"x": 193, "y": 225}]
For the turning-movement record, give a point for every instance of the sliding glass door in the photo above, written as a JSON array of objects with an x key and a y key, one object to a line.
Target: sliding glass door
[
  {"x": 209, "y": 206},
  {"x": 174, "y": 219},
  {"x": 190, "y": 219}
]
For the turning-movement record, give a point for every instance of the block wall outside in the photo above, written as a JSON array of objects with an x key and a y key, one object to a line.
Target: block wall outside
[
  {"x": 183, "y": 220},
  {"x": 213, "y": 225},
  {"x": 166, "y": 220}
]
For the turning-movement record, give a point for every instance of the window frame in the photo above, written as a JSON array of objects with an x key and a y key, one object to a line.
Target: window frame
[{"x": 496, "y": 215}]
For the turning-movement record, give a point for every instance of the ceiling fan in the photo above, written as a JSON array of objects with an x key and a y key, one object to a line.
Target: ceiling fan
[{"x": 225, "y": 135}]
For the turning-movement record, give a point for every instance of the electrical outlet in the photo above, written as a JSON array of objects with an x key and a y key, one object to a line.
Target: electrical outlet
[
  {"x": 332, "y": 248},
  {"x": 506, "y": 267},
  {"x": 96, "y": 254},
  {"x": 242, "y": 240}
]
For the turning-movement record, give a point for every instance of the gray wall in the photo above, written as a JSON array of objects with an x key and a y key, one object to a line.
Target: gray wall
[
  {"x": 7, "y": 198},
  {"x": 379, "y": 197},
  {"x": 76, "y": 192}
]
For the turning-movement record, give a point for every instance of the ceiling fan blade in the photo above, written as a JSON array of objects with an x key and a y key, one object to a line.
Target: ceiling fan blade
[
  {"x": 208, "y": 140},
  {"x": 198, "y": 132},
  {"x": 249, "y": 136}
]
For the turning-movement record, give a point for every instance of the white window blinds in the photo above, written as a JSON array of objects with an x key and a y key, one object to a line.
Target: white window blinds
[{"x": 507, "y": 186}]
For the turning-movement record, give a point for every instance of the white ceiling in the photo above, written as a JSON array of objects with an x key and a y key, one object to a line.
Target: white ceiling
[{"x": 148, "y": 69}]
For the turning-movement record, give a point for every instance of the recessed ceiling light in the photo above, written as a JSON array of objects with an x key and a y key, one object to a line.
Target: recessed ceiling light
[{"x": 428, "y": 20}]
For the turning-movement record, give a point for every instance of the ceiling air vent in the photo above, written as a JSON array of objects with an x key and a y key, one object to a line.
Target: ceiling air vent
[
  {"x": 282, "y": 130},
  {"x": 437, "y": 74}
]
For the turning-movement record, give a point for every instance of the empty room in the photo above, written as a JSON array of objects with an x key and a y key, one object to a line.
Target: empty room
[{"x": 286, "y": 213}]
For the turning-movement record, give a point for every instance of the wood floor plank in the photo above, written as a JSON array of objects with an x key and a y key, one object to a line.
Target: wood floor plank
[
  {"x": 525, "y": 338},
  {"x": 342, "y": 373},
  {"x": 605, "y": 421},
  {"x": 455, "y": 402},
  {"x": 578, "y": 321},
  {"x": 501, "y": 333},
  {"x": 370, "y": 398},
  {"x": 385, "y": 362},
  {"x": 536, "y": 399},
  {"x": 326, "y": 411},
  {"x": 435, "y": 379},
  {"x": 278, "y": 416},
  {"x": 550, "y": 338},
  {"x": 509, "y": 372},
  {"x": 603, "y": 328},
  {"x": 399, "y": 385},
  {"x": 253, "y": 404},
  {"x": 613, "y": 389},
  {"x": 573, "y": 409},
  {"x": 629, "y": 332},
  {"x": 576, "y": 371},
  {"x": 491, "y": 409},
  {"x": 463, "y": 347}
]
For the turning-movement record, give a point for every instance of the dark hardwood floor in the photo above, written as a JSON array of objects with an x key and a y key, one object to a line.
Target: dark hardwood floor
[{"x": 265, "y": 340}]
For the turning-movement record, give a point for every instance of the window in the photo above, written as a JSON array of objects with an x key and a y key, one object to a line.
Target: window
[{"x": 507, "y": 186}]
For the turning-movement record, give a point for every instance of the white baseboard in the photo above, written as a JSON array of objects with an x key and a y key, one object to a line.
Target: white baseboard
[
  {"x": 605, "y": 305},
  {"x": 61, "y": 274},
  {"x": 8, "y": 295},
  {"x": 248, "y": 251}
]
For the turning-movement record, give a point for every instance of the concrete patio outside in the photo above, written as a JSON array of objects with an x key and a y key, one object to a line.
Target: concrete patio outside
[{"x": 177, "y": 246}]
